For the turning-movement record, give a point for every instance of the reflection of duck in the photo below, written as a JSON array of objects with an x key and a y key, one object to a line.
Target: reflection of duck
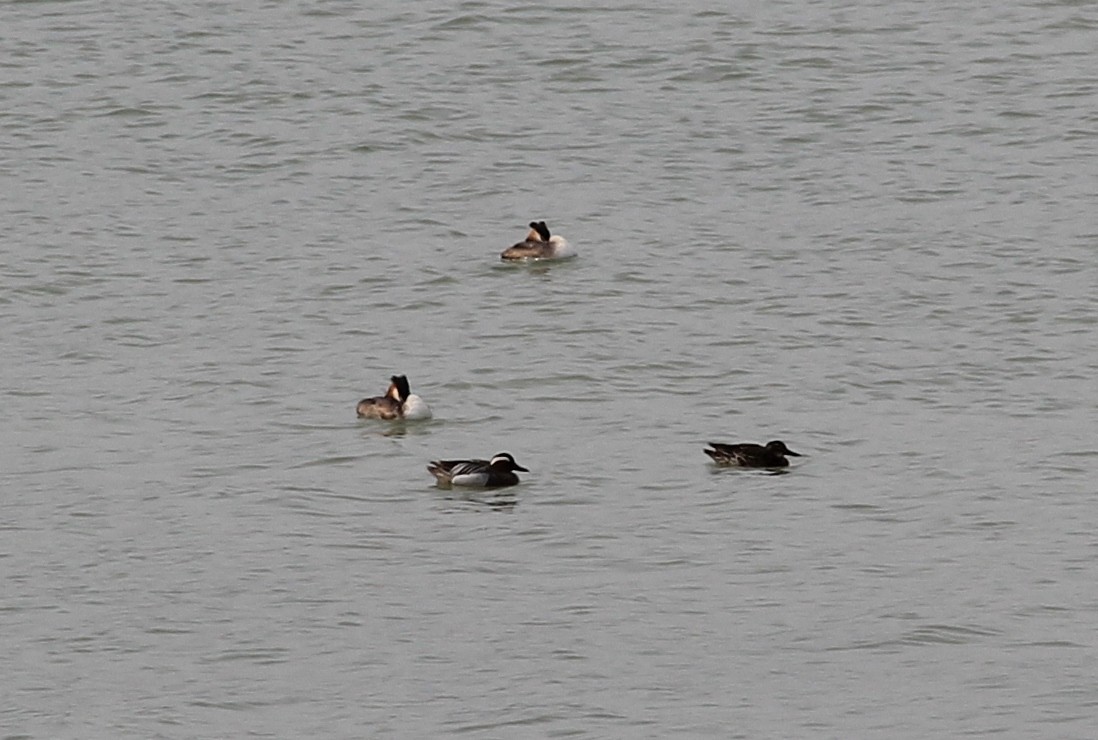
[
  {"x": 397, "y": 403},
  {"x": 749, "y": 455},
  {"x": 539, "y": 245},
  {"x": 495, "y": 473}
]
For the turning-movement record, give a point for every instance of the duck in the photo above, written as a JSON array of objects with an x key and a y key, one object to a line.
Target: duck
[
  {"x": 538, "y": 245},
  {"x": 495, "y": 473},
  {"x": 397, "y": 403},
  {"x": 751, "y": 455}
]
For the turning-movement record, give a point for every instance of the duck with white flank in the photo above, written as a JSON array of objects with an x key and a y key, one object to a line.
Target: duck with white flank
[
  {"x": 495, "y": 473},
  {"x": 749, "y": 455},
  {"x": 538, "y": 245},
  {"x": 397, "y": 403}
]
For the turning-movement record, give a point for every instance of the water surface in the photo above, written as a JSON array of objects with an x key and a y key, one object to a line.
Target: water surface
[{"x": 863, "y": 229}]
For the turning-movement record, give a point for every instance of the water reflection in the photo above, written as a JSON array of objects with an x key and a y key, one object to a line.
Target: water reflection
[{"x": 486, "y": 500}]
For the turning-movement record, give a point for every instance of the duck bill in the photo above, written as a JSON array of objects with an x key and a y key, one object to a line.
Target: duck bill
[
  {"x": 794, "y": 454},
  {"x": 520, "y": 469}
]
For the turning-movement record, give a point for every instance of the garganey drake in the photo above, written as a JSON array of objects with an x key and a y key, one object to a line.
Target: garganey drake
[{"x": 495, "y": 473}]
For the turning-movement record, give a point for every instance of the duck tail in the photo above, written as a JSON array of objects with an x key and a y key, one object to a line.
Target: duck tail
[{"x": 441, "y": 474}]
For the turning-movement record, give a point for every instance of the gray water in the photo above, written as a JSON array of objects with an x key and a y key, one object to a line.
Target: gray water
[{"x": 865, "y": 229}]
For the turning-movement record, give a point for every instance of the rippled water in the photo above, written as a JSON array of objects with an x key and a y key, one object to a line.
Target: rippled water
[{"x": 865, "y": 229}]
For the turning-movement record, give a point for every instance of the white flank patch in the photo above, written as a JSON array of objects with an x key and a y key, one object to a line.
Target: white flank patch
[
  {"x": 416, "y": 408},
  {"x": 562, "y": 250},
  {"x": 470, "y": 479}
]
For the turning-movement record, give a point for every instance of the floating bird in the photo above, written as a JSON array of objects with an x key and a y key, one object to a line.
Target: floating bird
[
  {"x": 495, "y": 473},
  {"x": 538, "y": 245},
  {"x": 397, "y": 403},
  {"x": 750, "y": 455}
]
